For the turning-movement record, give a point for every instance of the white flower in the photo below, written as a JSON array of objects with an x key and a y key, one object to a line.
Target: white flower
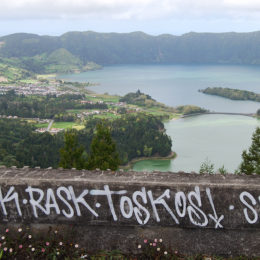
[
  {"x": 155, "y": 240},
  {"x": 139, "y": 246},
  {"x": 10, "y": 250},
  {"x": 60, "y": 244},
  {"x": 20, "y": 230},
  {"x": 165, "y": 252},
  {"x": 58, "y": 253},
  {"x": 3, "y": 237},
  {"x": 76, "y": 245},
  {"x": 33, "y": 249},
  {"x": 158, "y": 249},
  {"x": 30, "y": 236},
  {"x": 160, "y": 240}
]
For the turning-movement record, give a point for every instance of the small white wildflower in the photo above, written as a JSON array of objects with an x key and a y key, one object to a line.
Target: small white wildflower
[
  {"x": 57, "y": 253},
  {"x": 3, "y": 237},
  {"x": 30, "y": 236},
  {"x": 155, "y": 240},
  {"x": 158, "y": 249},
  {"x": 56, "y": 231},
  {"x": 139, "y": 246},
  {"x": 10, "y": 250},
  {"x": 5, "y": 249},
  {"x": 160, "y": 240},
  {"x": 20, "y": 230},
  {"x": 165, "y": 252},
  {"x": 60, "y": 244},
  {"x": 76, "y": 245},
  {"x": 151, "y": 244},
  {"x": 33, "y": 249}
]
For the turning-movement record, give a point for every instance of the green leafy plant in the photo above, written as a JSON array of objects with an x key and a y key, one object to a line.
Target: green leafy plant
[
  {"x": 207, "y": 167},
  {"x": 222, "y": 170}
]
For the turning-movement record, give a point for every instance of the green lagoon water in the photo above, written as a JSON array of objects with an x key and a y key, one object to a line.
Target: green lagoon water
[{"x": 220, "y": 138}]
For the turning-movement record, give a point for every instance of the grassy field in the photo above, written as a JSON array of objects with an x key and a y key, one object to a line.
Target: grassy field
[
  {"x": 29, "y": 81},
  {"x": 67, "y": 125},
  {"x": 107, "y": 116},
  {"x": 45, "y": 125},
  {"x": 105, "y": 98},
  {"x": 46, "y": 76}
]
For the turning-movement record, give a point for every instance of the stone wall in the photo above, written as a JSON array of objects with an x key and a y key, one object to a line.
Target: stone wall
[{"x": 192, "y": 213}]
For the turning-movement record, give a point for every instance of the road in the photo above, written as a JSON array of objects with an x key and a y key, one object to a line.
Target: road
[{"x": 50, "y": 125}]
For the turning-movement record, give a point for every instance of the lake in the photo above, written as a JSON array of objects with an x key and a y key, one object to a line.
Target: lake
[{"x": 220, "y": 138}]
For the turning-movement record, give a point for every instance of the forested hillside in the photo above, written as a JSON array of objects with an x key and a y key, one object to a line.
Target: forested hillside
[
  {"x": 50, "y": 106},
  {"x": 74, "y": 50},
  {"x": 135, "y": 136}
]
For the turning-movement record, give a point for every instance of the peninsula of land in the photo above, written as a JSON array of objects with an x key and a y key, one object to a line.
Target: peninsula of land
[{"x": 234, "y": 94}]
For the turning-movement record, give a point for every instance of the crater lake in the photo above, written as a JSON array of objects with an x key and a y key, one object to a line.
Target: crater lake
[{"x": 218, "y": 138}]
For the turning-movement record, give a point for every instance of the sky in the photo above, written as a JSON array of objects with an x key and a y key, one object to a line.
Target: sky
[{"x": 55, "y": 17}]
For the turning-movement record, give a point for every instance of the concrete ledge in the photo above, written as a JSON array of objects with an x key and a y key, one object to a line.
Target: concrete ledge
[{"x": 192, "y": 213}]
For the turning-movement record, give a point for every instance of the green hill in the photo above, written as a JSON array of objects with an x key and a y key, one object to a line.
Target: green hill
[
  {"x": 10, "y": 73},
  {"x": 74, "y": 50},
  {"x": 62, "y": 60}
]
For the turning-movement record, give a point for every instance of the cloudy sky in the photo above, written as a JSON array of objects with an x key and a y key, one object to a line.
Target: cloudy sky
[{"x": 54, "y": 17}]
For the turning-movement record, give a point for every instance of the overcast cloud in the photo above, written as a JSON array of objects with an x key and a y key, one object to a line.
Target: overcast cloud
[
  {"x": 126, "y": 9},
  {"x": 152, "y": 16}
]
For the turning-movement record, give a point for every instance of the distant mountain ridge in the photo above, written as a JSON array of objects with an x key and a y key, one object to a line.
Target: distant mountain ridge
[{"x": 34, "y": 52}]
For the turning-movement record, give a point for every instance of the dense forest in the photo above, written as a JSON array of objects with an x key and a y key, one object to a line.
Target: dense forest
[
  {"x": 74, "y": 50},
  {"x": 135, "y": 136},
  {"x": 235, "y": 94},
  {"x": 49, "y": 107},
  {"x": 20, "y": 145}
]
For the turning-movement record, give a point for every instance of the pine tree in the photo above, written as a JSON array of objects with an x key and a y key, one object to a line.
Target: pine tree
[
  {"x": 103, "y": 153},
  {"x": 251, "y": 159},
  {"x": 71, "y": 155}
]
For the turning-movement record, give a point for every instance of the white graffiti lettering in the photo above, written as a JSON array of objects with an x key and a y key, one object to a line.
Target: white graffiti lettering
[
  {"x": 69, "y": 214},
  {"x": 9, "y": 197},
  {"x": 141, "y": 205},
  {"x": 80, "y": 200},
  {"x": 180, "y": 201},
  {"x": 36, "y": 202},
  {"x": 253, "y": 201},
  {"x": 161, "y": 201},
  {"x": 192, "y": 209},
  {"x": 106, "y": 192},
  {"x": 125, "y": 200},
  {"x": 214, "y": 217}
]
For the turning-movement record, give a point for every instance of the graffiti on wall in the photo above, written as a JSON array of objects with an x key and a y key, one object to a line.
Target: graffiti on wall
[{"x": 141, "y": 205}]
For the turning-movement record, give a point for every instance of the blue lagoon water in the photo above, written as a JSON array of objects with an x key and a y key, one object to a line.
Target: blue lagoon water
[{"x": 176, "y": 85}]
